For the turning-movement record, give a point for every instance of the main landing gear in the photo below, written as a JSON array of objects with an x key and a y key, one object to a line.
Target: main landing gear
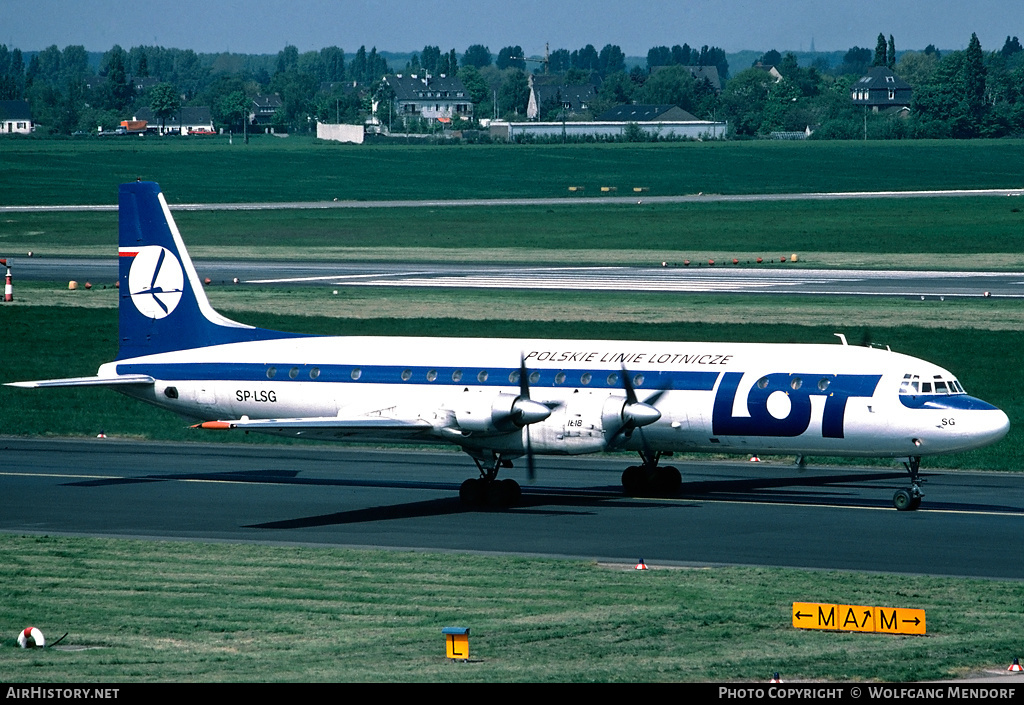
[
  {"x": 488, "y": 490},
  {"x": 650, "y": 480},
  {"x": 909, "y": 499}
]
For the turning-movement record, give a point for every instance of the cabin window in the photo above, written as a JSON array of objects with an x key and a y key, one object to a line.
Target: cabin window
[
  {"x": 457, "y": 376},
  {"x": 431, "y": 375},
  {"x": 560, "y": 378},
  {"x": 356, "y": 373},
  {"x": 613, "y": 379},
  {"x": 406, "y": 375},
  {"x": 638, "y": 381},
  {"x": 314, "y": 373},
  {"x": 585, "y": 378},
  {"x": 796, "y": 383},
  {"x": 271, "y": 371},
  {"x": 534, "y": 377},
  {"x": 762, "y": 383},
  {"x": 482, "y": 377},
  {"x": 293, "y": 372},
  {"x": 823, "y": 384}
]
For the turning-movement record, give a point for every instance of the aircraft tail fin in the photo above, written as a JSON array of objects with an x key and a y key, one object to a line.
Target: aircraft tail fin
[{"x": 163, "y": 306}]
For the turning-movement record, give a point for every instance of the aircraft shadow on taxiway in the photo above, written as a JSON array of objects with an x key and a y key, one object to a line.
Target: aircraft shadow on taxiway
[{"x": 809, "y": 488}]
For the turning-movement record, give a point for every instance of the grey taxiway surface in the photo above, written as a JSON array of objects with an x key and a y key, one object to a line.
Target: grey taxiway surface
[
  {"x": 765, "y": 278},
  {"x": 726, "y": 513}
]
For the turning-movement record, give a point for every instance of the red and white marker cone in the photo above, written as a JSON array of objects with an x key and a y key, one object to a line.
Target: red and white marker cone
[
  {"x": 755, "y": 459},
  {"x": 30, "y": 637},
  {"x": 1015, "y": 666},
  {"x": 775, "y": 678},
  {"x": 641, "y": 565},
  {"x": 8, "y": 288}
]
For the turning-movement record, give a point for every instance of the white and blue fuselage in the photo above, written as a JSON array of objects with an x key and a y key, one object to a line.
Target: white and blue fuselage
[{"x": 728, "y": 397}]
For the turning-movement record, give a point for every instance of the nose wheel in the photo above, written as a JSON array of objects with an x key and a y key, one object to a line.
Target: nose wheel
[
  {"x": 906, "y": 500},
  {"x": 909, "y": 499}
]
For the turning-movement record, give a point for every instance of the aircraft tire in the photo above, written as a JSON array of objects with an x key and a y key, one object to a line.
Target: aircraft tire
[
  {"x": 510, "y": 491},
  {"x": 513, "y": 492},
  {"x": 502, "y": 493},
  {"x": 633, "y": 480},
  {"x": 472, "y": 492},
  {"x": 668, "y": 480},
  {"x": 903, "y": 500}
]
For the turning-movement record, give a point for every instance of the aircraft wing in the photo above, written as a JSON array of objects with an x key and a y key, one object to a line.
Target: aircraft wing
[
  {"x": 118, "y": 381},
  {"x": 328, "y": 427}
]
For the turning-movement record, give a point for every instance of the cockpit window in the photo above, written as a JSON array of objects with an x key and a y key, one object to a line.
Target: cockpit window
[{"x": 937, "y": 384}]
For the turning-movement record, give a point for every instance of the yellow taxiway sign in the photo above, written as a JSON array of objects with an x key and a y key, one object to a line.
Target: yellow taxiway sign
[{"x": 858, "y": 618}]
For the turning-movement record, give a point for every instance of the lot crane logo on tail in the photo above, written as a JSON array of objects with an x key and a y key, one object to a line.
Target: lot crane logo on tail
[{"x": 155, "y": 280}]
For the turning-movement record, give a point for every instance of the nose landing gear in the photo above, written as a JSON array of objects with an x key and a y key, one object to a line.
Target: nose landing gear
[{"x": 909, "y": 499}]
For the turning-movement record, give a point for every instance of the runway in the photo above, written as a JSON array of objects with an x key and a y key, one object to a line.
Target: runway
[
  {"x": 727, "y": 512},
  {"x": 558, "y": 201},
  {"x": 764, "y": 278}
]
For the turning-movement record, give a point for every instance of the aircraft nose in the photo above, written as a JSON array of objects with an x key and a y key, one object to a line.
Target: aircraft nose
[
  {"x": 989, "y": 426},
  {"x": 1000, "y": 425}
]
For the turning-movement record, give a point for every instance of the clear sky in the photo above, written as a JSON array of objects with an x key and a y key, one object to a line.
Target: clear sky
[{"x": 266, "y": 26}]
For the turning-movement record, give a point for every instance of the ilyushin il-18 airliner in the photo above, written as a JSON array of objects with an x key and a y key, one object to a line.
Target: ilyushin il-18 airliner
[{"x": 501, "y": 400}]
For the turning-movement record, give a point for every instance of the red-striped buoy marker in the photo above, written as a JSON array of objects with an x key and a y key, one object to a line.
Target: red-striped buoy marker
[
  {"x": 8, "y": 288},
  {"x": 31, "y": 637}
]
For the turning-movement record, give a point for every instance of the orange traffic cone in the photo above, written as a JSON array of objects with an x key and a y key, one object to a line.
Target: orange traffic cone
[
  {"x": 641, "y": 565},
  {"x": 1015, "y": 666}
]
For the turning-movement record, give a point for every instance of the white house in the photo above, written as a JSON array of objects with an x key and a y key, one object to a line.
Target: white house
[
  {"x": 188, "y": 120},
  {"x": 441, "y": 97},
  {"x": 15, "y": 117}
]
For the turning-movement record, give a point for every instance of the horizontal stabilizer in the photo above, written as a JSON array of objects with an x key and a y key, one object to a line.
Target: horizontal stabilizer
[{"x": 118, "y": 381}]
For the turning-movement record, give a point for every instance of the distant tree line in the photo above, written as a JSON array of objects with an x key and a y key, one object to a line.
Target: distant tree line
[{"x": 961, "y": 94}]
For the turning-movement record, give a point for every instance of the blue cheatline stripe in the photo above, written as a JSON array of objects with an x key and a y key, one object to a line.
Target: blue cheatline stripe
[
  {"x": 394, "y": 374},
  {"x": 959, "y": 402}
]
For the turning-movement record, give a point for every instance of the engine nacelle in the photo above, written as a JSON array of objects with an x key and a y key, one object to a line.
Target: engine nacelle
[
  {"x": 583, "y": 424},
  {"x": 618, "y": 413},
  {"x": 501, "y": 413}
]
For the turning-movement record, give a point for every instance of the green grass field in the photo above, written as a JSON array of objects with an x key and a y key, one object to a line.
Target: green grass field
[
  {"x": 944, "y": 233},
  {"x": 193, "y": 612},
  {"x": 303, "y": 169}
]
